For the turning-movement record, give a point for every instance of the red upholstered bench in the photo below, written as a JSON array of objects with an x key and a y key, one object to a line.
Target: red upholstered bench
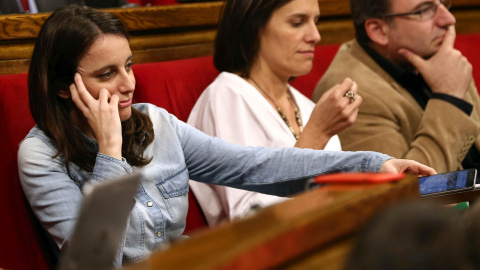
[
  {"x": 20, "y": 246},
  {"x": 173, "y": 85},
  {"x": 468, "y": 45}
]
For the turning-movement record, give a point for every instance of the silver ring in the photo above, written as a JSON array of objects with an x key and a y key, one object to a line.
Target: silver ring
[{"x": 350, "y": 95}]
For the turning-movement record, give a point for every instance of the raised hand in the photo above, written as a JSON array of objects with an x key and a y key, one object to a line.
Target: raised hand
[
  {"x": 333, "y": 113},
  {"x": 446, "y": 72},
  {"x": 102, "y": 116}
]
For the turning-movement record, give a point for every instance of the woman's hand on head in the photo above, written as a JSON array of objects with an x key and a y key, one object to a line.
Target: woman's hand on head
[
  {"x": 102, "y": 116},
  {"x": 333, "y": 113},
  {"x": 406, "y": 166}
]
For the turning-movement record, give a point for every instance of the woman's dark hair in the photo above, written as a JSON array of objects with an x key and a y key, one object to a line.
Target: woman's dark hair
[
  {"x": 366, "y": 9},
  {"x": 237, "y": 41},
  {"x": 63, "y": 40}
]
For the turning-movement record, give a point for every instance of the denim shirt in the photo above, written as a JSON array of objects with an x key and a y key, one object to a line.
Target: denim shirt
[{"x": 180, "y": 152}]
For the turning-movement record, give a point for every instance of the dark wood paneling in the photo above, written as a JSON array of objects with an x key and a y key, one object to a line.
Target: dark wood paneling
[{"x": 168, "y": 17}]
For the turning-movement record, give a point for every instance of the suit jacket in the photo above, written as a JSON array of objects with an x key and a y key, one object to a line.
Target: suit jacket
[{"x": 392, "y": 122}]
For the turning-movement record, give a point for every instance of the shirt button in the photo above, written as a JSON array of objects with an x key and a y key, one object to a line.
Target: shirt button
[
  {"x": 149, "y": 204},
  {"x": 159, "y": 234},
  {"x": 471, "y": 139}
]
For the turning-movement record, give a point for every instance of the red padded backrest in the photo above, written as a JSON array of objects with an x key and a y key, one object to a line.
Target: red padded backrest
[
  {"x": 20, "y": 248},
  {"x": 468, "y": 44},
  {"x": 174, "y": 85}
]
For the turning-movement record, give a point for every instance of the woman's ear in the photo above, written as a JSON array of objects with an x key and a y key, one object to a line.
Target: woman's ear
[
  {"x": 64, "y": 93},
  {"x": 377, "y": 30}
]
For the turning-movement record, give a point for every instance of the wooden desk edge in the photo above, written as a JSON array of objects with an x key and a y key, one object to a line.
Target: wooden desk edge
[
  {"x": 278, "y": 234},
  {"x": 458, "y": 197}
]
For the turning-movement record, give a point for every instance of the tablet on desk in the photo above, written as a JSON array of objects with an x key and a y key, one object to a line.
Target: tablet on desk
[{"x": 445, "y": 183}]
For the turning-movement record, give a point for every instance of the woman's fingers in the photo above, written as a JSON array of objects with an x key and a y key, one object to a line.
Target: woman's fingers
[
  {"x": 114, "y": 100},
  {"x": 420, "y": 169},
  {"x": 334, "y": 112},
  {"x": 102, "y": 116},
  {"x": 107, "y": 103},
  {"x": 104, "y": 97},
  {"x": 76, "y": 98},
  {"x": 347, "y": 107},
  {"x": 83, "y": 93},
  {"x": 340, "y": 90},
  {"x": 407, "y": 166},
  {"x": 84, "y": 100}
]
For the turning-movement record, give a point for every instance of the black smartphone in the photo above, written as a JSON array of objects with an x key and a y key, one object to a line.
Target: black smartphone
[{"x": 447, "y": 182}]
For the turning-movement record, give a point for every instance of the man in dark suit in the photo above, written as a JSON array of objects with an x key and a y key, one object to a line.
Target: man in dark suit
[{"x": 420, "y": 101}]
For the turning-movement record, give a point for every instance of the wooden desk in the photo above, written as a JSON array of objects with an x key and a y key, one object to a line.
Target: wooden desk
[
  {"x": 314, "y": 230},
  {"x": 464, "y": 196}
]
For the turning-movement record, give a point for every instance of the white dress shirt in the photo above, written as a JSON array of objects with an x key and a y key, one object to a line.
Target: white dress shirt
[{"x": 234, "y": 110}]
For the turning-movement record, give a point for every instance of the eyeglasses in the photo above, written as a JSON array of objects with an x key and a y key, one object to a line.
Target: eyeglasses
[{"x": 425, "y": 13}]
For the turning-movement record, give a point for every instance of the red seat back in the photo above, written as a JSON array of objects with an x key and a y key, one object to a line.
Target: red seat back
[
  {"x": 174, "y": 85},
  {"x": 20, "y": 247},
  {"x": 468, "y": 45}
]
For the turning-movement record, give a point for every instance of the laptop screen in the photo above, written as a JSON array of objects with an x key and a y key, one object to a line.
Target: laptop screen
[{"x": 100, "y": 224}]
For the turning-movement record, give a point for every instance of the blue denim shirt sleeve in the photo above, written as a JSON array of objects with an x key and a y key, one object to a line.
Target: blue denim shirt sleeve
[
  {"x": 53, "y": 195},
  {"x": 107, "y": 167},
  {"x": 179, "y": 152},
  {"x": 280, "y": 172}
]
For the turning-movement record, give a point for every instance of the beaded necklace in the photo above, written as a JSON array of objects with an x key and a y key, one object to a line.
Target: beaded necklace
[{"x": 280, "y": 112}]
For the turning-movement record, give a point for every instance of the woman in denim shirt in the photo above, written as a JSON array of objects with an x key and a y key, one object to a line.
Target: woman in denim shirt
[{"x": 87, "y": 130}]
